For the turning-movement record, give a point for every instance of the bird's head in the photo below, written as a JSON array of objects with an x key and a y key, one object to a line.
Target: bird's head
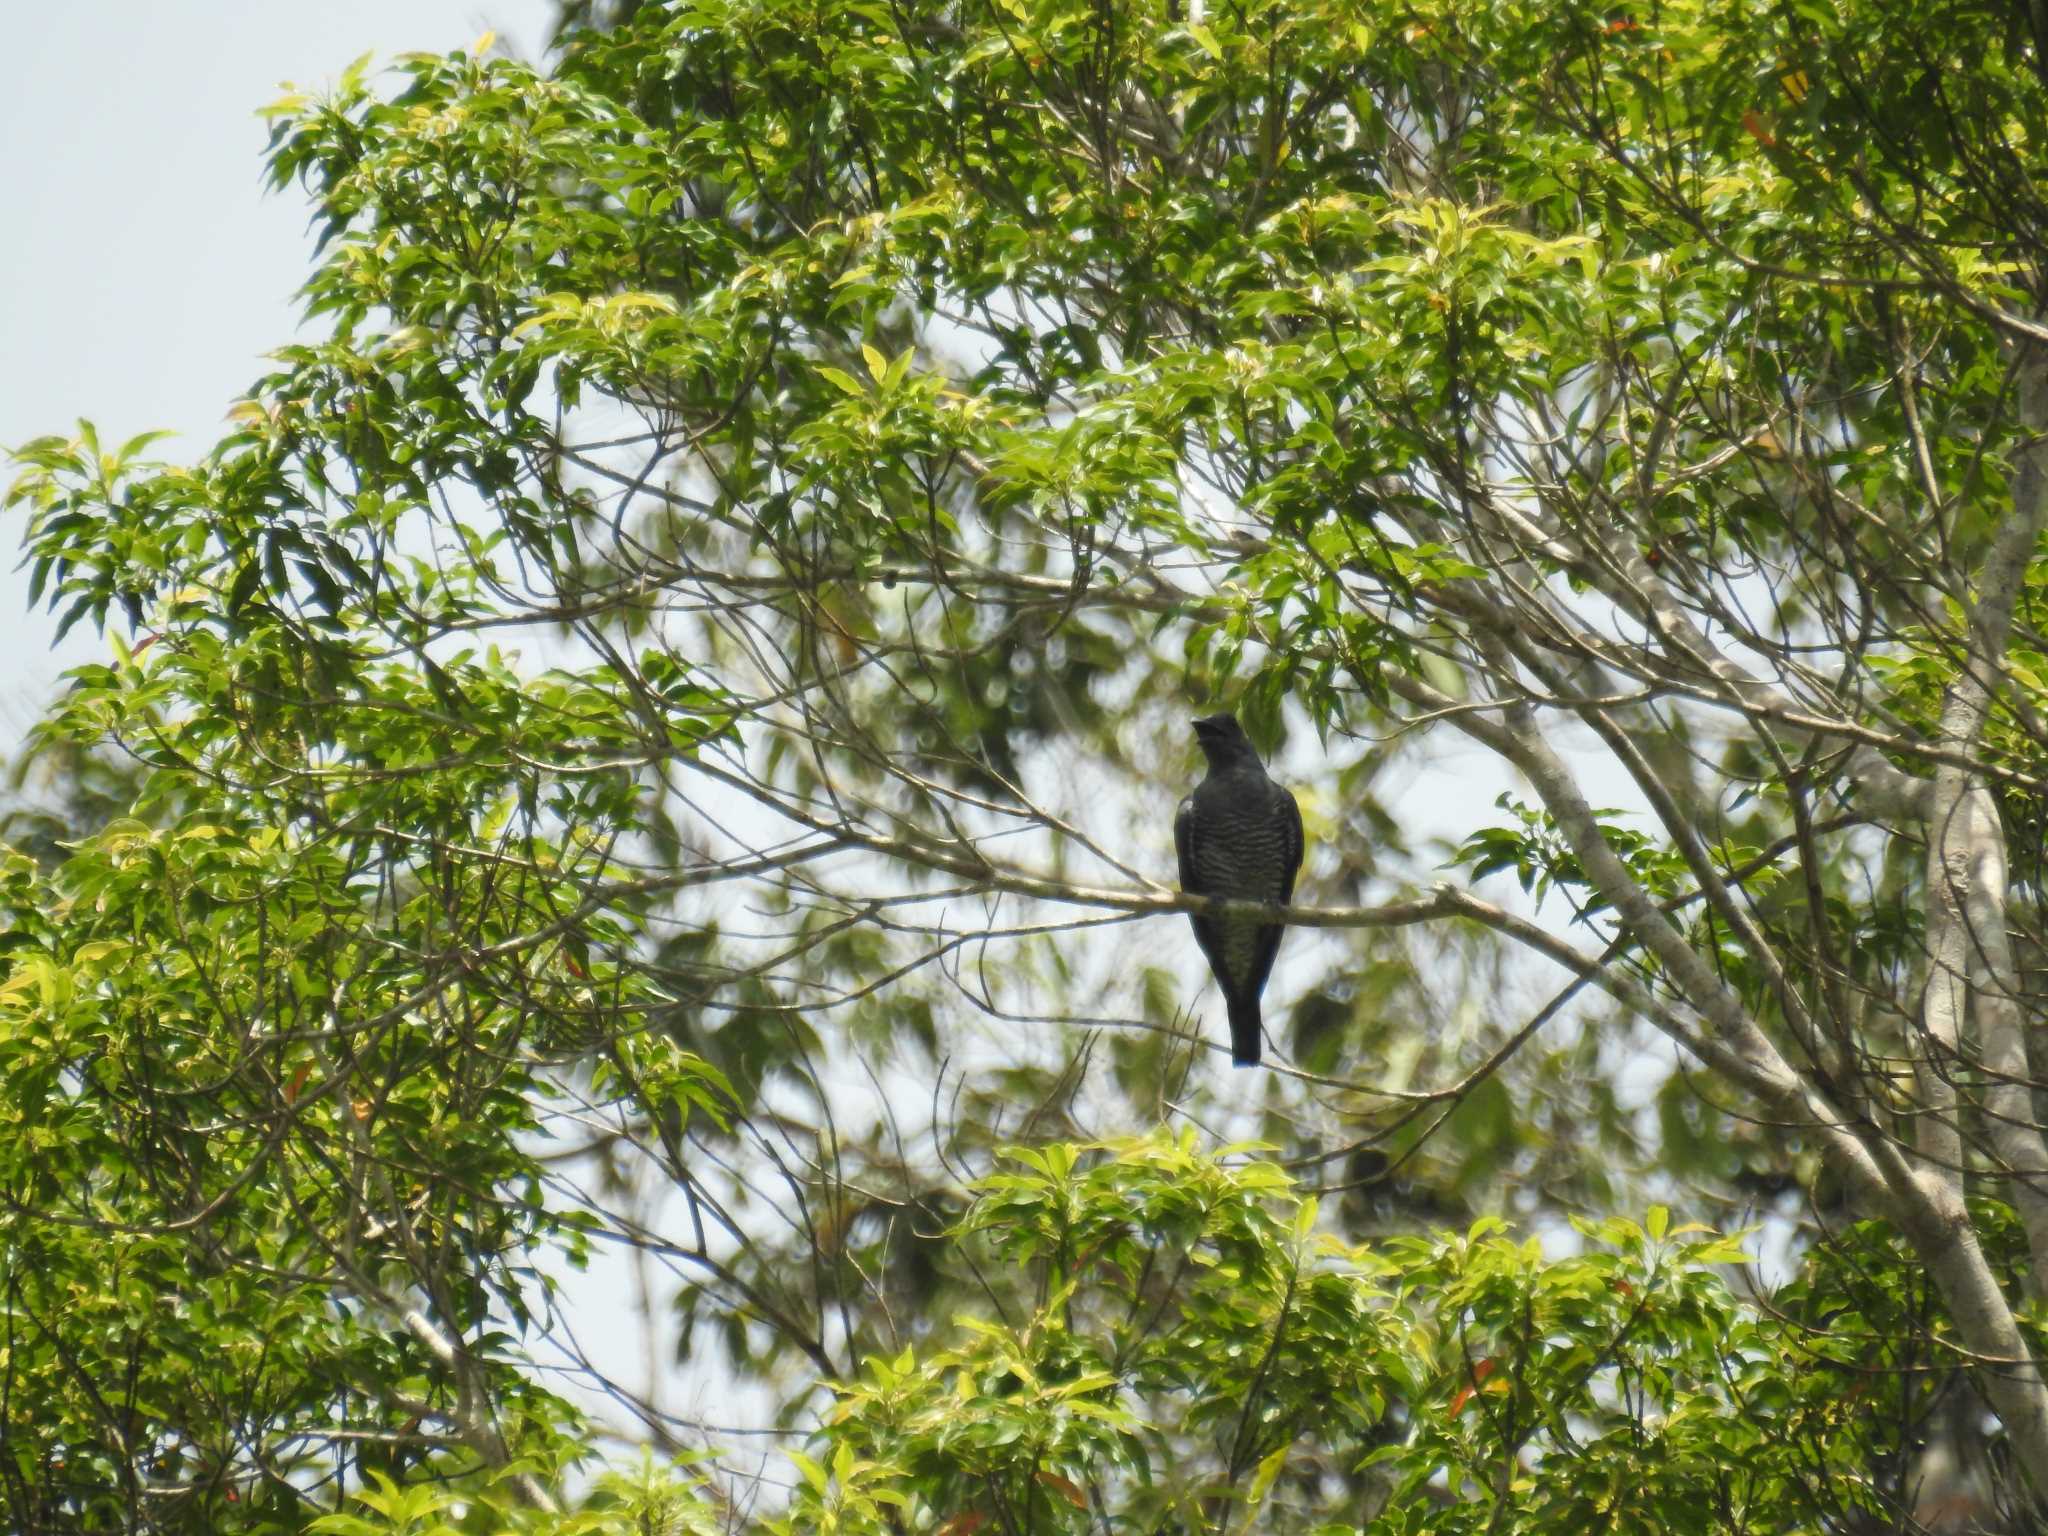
[{"x": 1224, "y": 742}]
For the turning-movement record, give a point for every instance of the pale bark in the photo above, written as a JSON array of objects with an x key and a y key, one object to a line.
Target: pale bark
[
  {"x": 1975, "y": 1029},
  {"x": 1620, "y": 573},
  {"x": 1925, "y": 1202},
  {"x": 1972, "y": 993}
]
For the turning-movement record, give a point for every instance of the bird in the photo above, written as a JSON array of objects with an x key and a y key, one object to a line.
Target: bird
[{"x": 1239, "y": 837}]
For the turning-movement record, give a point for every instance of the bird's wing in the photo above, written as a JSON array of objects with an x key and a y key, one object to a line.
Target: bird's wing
[
  {"x": 1290, "y": 820},
  {"x": 1267, "y": 944},
  {"x": 1207, "y": 934}
]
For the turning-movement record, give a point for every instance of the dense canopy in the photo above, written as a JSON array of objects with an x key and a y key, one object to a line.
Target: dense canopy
[{"x": 651, "y": 742}]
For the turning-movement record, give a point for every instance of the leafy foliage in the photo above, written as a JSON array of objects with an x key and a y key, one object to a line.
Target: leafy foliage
[{"x": 649, "y": 733}]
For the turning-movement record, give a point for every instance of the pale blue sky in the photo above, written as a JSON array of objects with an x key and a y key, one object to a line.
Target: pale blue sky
[{"x": 144, "y": 269}]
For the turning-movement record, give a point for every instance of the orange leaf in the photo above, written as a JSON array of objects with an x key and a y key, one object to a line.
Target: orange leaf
[
  {"x": 1061, "y": 1486},
  {"x": 963, "y": 1524},
  {"x": 1758, "y": 131},
  {"x": 291, "y": 1089},
  {"x": 1481, "y": 1369}
]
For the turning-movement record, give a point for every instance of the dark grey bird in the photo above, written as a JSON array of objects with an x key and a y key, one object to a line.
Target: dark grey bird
[{"x": 1238, "y": 836}]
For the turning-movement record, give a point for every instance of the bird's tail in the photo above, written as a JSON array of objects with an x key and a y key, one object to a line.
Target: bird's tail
[{"x": 1244, "y": 1030}]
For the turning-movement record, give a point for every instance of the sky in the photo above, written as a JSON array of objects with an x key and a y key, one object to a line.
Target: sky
[{"x": 144, "y": 267}]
